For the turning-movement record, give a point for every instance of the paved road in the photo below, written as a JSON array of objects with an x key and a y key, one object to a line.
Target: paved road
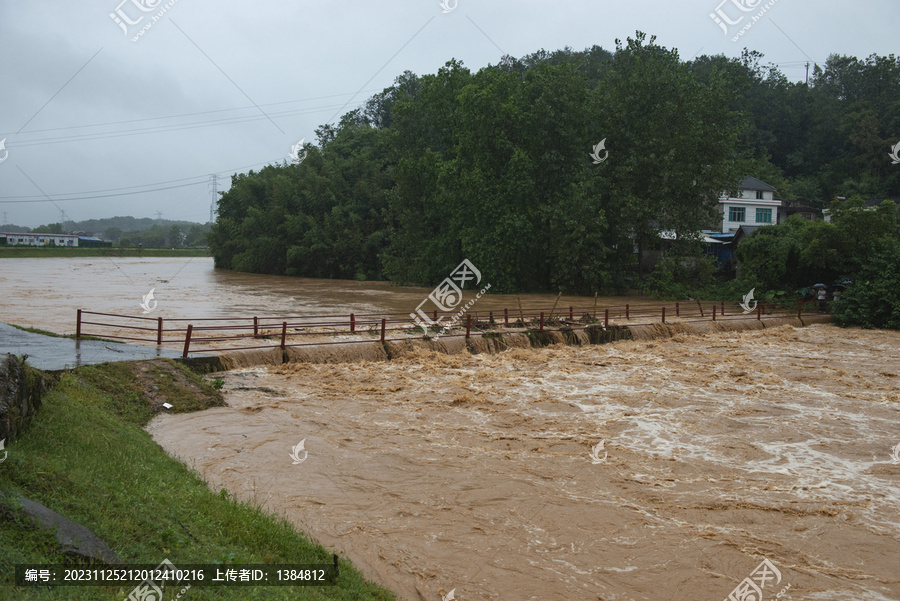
[{"x": 52, "y": 354}]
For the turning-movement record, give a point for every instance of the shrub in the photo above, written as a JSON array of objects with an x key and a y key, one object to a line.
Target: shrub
[{"x": 873, "y": 301}]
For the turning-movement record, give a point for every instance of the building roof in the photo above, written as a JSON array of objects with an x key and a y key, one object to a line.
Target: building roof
[
  {"x": 751, "y": 183},
  {"x": 37, "y": 234}
]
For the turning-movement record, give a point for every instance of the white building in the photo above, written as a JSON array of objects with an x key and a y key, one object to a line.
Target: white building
[
  {"x": 754, "y": 205},
  {"x": 15, "y": 239}
]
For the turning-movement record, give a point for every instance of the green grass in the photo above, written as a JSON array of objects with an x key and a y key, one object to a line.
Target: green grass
[
  {"x": 21, "y": 252},
  {"x": 87, "y": 457}
]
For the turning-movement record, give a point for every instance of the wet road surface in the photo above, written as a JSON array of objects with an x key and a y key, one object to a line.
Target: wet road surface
[{"x": 53, "y": 354}]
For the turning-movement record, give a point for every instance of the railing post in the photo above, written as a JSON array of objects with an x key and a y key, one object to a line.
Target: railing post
[
  {"x": 799, "y": 307},
  {"x": 664, "y": 315},
  {"x": 283, "y": 333},
  {"x": 435, "y": 316},
  {"x": 255, "y": 327},
  {"x": 542, "y": 322},
  {"x": 159, "y": 330},
  {"x": 506, "y": 317},
  {"x": 722, "y": 309},
  {"x": 714, "y": 312},
  {"x": 606, "y": 319},
  {"x": 383, "y": 321},
  {"x": 759, "y": 311},
  {"x": 571, "y": 314},
  {"x": 677, "y": 309},
  {"x": 627, "y": 316},
  {"x": 468, "y": 325},
  {"x": 78, "y": 326},
  {"x": 352, "y": 323},
  {"x": 187, "y": 341}
]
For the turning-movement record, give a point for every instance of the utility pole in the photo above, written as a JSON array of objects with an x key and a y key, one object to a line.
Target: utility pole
[
  {"x": 158, "y": 215},
  {"x": 5, "y": 221},
  {"x": 807, "y": 72},
  {"x": 214, "y": 194}
]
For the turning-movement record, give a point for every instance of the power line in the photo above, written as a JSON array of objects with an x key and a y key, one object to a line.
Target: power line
[
  {"x": 25, "y": 199},
  {"x": 163, "y": 128},
  {"x": 240, "y": 108},
  {"x": 97, "y": 197}
]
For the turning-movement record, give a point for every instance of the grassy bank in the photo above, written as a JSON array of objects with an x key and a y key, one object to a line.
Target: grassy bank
[
  {"x": 21, "y": 252},
  {"x": 87, "y": 457}
]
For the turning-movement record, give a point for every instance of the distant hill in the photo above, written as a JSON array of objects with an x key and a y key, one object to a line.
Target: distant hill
[
  {"x": 14, "y": 229},
  {"x": 125, "y": 224},
  {"x": 99, "y": 226},
  {"x": 128, "y": 231}
]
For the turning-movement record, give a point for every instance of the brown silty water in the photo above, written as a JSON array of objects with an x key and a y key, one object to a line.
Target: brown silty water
[
  {"x": 481, "y": 473},
  {"x": 46, "y": 293},
  {"x": 440, "y": 471}
]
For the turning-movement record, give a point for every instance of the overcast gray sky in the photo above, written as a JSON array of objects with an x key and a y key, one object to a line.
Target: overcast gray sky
[{"x": 106, "y": 126}]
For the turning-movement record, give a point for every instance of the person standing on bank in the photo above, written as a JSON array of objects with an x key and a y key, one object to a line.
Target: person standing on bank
[{"x": 822, "y": 296}]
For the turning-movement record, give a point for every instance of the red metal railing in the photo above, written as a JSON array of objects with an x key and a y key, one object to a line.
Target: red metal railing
[{"x": 187, "y": 333}]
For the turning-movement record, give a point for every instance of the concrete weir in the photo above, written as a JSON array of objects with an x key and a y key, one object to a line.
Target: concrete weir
[{"x": 484, "y": 342}]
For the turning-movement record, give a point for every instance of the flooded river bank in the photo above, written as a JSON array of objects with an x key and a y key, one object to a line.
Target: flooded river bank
[
  {"x": 475, "y": 473},
  {"x": 46, "y": 292},
  {"x": 648, "y": 469}
]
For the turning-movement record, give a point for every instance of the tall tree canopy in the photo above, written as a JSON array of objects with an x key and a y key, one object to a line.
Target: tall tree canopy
[{"x": 494, "y": 166}]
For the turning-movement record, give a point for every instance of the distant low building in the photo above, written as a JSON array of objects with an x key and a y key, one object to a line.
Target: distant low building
[
  {"x": 19, "y": 239},
  {"x": 754, "y": 205},
  {"x": 92, "y": 242},
  {"x": 798, "y": 207}
]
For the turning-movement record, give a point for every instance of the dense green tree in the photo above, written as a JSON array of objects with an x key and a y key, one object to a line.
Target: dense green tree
[
  {"x": 861, "y": 244},
  {"x": 53, "y": 228},
  {"x": 672, "y": 143},
  {"x": 493, "y": 166},
  {"x": 112, "y": 233}
]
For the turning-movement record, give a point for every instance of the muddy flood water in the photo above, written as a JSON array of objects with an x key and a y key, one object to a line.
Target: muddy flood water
[
  {"x": 474, "y": 473},
  {"x": 485, "y": 474},
  {"x": 46, "y": 293}
]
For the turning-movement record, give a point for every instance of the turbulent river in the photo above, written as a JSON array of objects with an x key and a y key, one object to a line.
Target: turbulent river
[
  {"x": 484, "y": 474},
  {"x": 193, "y": 288}
]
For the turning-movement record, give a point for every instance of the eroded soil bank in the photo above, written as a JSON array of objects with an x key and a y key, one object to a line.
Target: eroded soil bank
[{"x": 435, "y": 472}]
